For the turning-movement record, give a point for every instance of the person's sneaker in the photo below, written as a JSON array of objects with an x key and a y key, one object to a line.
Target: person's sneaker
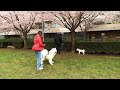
[
  {"x": 42, "y": 65},
  {"x": 40, "y": 68}
]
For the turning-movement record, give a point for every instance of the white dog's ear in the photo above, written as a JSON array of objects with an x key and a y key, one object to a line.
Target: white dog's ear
[
  {"x": 55, "y": 49},
  {"x": 77, "y": 49}
]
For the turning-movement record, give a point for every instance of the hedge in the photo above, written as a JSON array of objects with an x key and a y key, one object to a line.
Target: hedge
[
  {"x": 100, "y": 47},
  {"x": 18, "y": 45},
  {"x": 90, "y": 47},
  {"x": 3, "y": 44}
]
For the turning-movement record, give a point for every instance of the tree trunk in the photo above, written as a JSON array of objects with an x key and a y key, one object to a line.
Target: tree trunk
[
  {"x": 73, "y": 41},
  {"x": 25, "y": 41}
]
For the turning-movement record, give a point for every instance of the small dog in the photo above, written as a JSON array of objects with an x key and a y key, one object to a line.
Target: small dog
[
  {"x": 49, "y": 55},
  {"x": 80, "y": 50}
]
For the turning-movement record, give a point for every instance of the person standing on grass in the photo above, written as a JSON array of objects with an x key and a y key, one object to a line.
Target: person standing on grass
[
  {"x": 58, "y": 42},
  {"x": 38, "y": 47}
]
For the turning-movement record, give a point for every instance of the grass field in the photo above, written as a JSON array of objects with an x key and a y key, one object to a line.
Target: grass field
[{"x": 21, "y": 64}]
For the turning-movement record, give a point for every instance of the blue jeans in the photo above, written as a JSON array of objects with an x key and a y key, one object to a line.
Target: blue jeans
[{"x": 38, "y": 54}]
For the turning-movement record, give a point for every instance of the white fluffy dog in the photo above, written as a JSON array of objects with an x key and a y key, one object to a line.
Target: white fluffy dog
[
  {"x": 80, "y": 51},
  {"x": 49, "y": 55}
]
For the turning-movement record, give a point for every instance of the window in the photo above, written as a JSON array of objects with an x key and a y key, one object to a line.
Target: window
[
  {"x": 97, "y": 35},
  {"x": 1, "y": 37},
  {"x": 118, "y": 33},
  {"x": 55, "y": 26}
]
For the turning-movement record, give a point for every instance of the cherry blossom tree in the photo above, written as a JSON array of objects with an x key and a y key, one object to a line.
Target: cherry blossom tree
[
  {"x": 22, "y": 21},
  {"x": 46, "y": 21},
  {"x": 3, "y": 29},
  {"x": 72, "y": 20},
  {"x": 88, "y": 22}
]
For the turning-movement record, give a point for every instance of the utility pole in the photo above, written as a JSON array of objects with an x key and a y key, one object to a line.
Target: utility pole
[
  {"x": 43, "y": 29},
  {"x": 43, "y": 26}
]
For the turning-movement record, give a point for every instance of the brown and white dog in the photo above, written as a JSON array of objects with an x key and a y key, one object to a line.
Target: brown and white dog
[
  {"x": 80, "y": 51},
  {"x": 49, "y": 55}
]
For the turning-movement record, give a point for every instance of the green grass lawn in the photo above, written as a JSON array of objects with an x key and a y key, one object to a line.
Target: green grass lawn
[{"x": 21, "y": 64}]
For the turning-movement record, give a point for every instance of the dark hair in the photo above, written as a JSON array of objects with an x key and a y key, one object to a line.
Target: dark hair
[
  {"x": 39, "y": 32},
  {"x": 58, "y": 34}
]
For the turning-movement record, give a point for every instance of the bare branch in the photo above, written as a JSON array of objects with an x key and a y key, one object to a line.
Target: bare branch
[{"x": 6, "y": 18}]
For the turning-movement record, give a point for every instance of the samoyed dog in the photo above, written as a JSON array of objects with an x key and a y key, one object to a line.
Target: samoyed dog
[
  {"x": 49, "y": 55},
  {"x": 80, "y": 51}
]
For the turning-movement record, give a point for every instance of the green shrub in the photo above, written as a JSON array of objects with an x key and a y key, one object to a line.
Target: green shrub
[
  {"x": 3, "y": 44},
  {"x": 100, "y": 47},
  {"x": 49, "y": 40},
  {"x": 90, "y": 47},
  {"x": 30, "y": 44},
  {"x": 18, "y": 45},
  {"x": 14, "y": 40},
  {"x": 67, "y": 46},
  {"x": 49, "y": 45}
]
